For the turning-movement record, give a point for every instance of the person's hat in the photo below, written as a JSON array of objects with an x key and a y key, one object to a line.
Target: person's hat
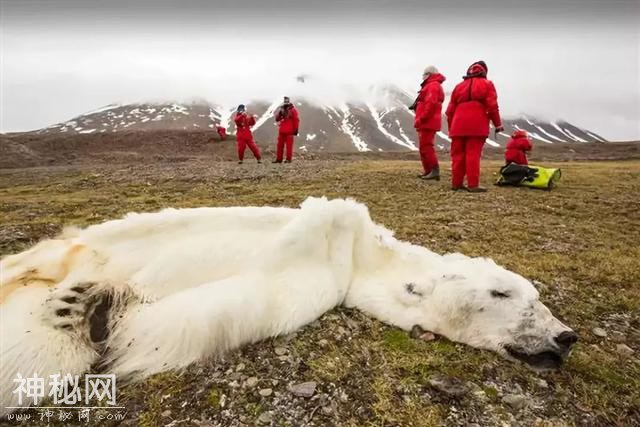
[
  {"x": 241, "y": 107},
  {"x": 431, "y": 69}
]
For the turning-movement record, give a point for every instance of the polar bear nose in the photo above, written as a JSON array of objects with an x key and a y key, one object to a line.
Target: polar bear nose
[{"x": 566, "y": 339}]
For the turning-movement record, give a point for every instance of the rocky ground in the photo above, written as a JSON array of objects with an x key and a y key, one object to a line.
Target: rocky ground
[{"x": 578, "y": 243}]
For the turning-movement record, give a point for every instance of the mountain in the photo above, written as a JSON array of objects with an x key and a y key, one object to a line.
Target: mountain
[{"x": 382, "y": 123}]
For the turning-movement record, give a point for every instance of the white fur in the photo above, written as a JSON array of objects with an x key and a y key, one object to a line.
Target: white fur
[{"x": 190, "y": 283}]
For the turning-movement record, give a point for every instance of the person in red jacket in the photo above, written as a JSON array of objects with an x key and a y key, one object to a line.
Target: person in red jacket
[
  {"x": 288, "y": 123},
  {"x": 222, "y": 132},
  {"x": 474, "y": 102},
  {"x": 244, "y": 136},
  {"x": 428, "y": 121},
  {"x": 517, "y": 147}
]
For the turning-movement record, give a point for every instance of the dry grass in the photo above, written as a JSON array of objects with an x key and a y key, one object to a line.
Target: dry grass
[{"x": 580, "y": 241}]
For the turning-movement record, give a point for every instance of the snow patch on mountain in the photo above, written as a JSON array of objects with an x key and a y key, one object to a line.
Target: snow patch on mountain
[
  {"x": 577, "y": 138},
  {"x": 348, "y": 129},
  {"x": 376, "y": 117}
]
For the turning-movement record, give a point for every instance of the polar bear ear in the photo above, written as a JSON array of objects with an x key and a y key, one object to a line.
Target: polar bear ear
[{"x": 413, "y": 293}]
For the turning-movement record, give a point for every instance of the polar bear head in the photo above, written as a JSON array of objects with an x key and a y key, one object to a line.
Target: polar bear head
[{"x": 476, "y": 302}]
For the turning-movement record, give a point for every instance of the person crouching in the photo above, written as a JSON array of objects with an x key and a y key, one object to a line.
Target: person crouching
[
  {"x": 244, "y": 136},
  {"x": 428, "y": 121},
  {"x": 517, "y": 148}
]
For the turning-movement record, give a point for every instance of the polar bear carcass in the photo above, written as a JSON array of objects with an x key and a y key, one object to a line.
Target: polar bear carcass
[{"x": 157, "y": 291}]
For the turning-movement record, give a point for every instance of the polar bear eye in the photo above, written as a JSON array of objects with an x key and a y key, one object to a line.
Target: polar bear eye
[{"x": 500, "y": 294}]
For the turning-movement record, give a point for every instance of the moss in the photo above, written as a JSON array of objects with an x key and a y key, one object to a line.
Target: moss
[
  {"x": 214, "y": 398},
  {"x": 398, "y": 340}
]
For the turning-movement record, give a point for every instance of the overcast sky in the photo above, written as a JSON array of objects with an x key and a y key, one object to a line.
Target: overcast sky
[{"x": 577, "y": 60}]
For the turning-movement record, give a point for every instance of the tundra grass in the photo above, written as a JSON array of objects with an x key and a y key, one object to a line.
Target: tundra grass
[{"x": 578, "y": 242}]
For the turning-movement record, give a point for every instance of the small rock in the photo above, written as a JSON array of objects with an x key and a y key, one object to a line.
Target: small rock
[
  {"x": 449, "y": 386},
  {"x": 166, "y": 414},
  {"x": 323, "y": 343},
  {"x": 617, "y": 336},
  {"x": 599, "y": 332},
  {"x": 265, "y": 418},
  {"x": 303, "y": 389},
  {"x": 280, "y": 351},
  {"x": 624, "y": 350},
  {"x": 515, "y": 401},
  {"x": 542, "y": 383},
  {"x": 327, "y": 410},
  {"x": 265, "y": 392},
  {"x": 344, "y": 397},
  {"x": 234, "y": 376},
  {"x": 251, "y": 382},
  {"x": 240, "y": 367}
]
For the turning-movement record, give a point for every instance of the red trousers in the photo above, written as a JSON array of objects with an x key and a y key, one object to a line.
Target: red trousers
[
  {"x": 244, "y": 142},
  {"x": 284, "y": 139},
  {"x": 427, "y": 150},
  {"x": 465, "y": 160}
]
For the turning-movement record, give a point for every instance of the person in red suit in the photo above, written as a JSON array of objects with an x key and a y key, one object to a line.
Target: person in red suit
[
  {"x": 288, "y": 123},
  {"x": 473, "y": 104},
  {"x": 222, "y": 132},
  {"x": 517, "y": 148},
  {"x": 244, "y": 136},
  {"x": 428, "y": 121}
]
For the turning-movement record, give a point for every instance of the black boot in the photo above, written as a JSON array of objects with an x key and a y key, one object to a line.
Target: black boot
[{"x": 434, "y": 174}]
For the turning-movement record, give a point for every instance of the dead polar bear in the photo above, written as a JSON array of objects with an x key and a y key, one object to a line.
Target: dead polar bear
[{"x": 157, "y": 291}]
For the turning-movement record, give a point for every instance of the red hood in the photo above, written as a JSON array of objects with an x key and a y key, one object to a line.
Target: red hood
[
  {"x": 476, "y": 70},
  {"x": 519, "y": 133},
  {"x": 436, "y": 77}
]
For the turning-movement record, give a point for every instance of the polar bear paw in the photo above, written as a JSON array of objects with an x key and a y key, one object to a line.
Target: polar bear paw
[{"x": 69, "y": 309}]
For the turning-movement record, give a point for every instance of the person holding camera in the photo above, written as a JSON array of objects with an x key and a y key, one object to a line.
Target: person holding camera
[
  {"x": 428, "y": 121},
  {"x": 244, "y": 136},
  {"x": 288, "y": 123}
]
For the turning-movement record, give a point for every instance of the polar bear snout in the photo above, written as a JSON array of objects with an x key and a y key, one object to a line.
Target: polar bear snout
[{"x": 566, "y": 340}]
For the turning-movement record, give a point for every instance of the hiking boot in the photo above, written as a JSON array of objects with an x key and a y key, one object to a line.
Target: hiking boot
[
  {"x": 240, "y": 162},
  {"x": 461, "y": 188},
  {"x": 259, "y": 161},
  {"x": 434, "y": 174},
  {"x": 477, "y": 190},
  {"x": 277, "y": 161},
  {"x": 287, "y": 161}
]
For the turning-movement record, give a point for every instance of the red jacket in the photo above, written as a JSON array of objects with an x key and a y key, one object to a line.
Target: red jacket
[
  {"x": 429, "y": 104},
  {"x": 516, "y": 151},
  {"x": 288, "y": 120},
  {"x": 473, "y": 103},
  {"x": 243, "y": 124}
]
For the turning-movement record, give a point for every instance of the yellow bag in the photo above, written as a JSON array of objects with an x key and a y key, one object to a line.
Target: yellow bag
[{"x": 529, "y": 176}]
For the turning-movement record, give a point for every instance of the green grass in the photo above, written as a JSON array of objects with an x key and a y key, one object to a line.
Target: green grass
[{"x": 580, "y": 241}]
